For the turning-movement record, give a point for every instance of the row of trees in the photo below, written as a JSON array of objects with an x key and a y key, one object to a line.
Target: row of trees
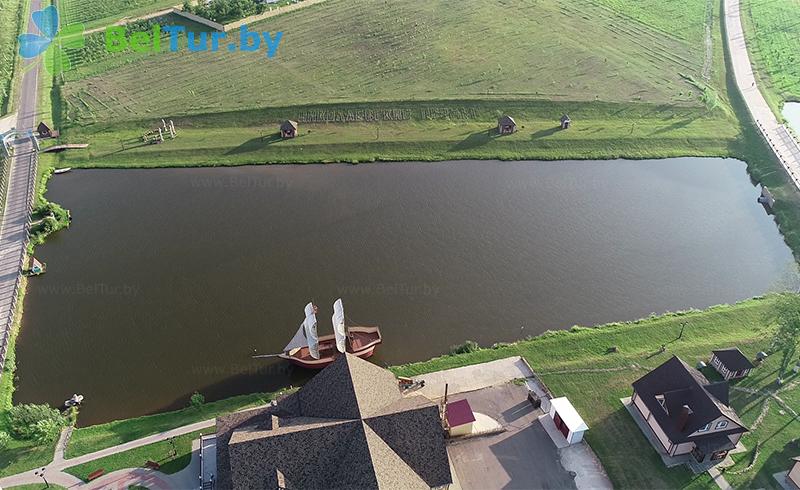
[{"x": 223, "y": 11}]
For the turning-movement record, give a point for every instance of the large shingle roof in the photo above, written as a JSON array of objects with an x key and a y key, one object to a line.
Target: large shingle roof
[
  {"x": 681, "y": 384},
  {"x": 348, "y": 427}
]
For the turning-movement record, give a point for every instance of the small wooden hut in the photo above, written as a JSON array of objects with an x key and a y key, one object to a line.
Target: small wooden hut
[
  {"x": 45, "y": 131},
  {"x": 288, "y": 129},
  {"x": 506, "y": 125},
  {"x": 565, "y": 122}
]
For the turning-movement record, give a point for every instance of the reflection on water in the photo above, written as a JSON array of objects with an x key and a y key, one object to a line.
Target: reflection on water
[{"x": 169, "y": 279}]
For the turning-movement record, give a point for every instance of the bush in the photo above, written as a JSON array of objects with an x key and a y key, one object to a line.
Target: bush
[
  {"x": 196, "y": 400},
  {"x": 4, "y": 439},
  {"x": 47, "y": 431},
  {"x": 465, "y": 348},
  {"x": 30, "y": 421}
]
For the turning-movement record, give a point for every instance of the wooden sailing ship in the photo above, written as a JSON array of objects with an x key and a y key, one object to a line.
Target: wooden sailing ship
[{"x": 308, "y": 350}]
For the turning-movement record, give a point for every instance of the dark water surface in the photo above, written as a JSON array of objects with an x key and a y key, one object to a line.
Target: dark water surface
[{"x": 168, "y": 279}]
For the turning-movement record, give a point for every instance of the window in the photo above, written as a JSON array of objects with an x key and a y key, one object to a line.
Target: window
[
  {"x": 721, "y": 424},
  {"x": 704, "y": 428}
]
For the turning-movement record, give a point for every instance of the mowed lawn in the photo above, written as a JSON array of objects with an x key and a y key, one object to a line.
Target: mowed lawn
[
  {"x": 562, "y": 358},
  {"x": 772, "y": 28},
  {"x": 11, "y": 14},
  {"x": 461, "y": 130},
  {"x": 98, "y": 13},
  {"x": 368, "y": 50}
]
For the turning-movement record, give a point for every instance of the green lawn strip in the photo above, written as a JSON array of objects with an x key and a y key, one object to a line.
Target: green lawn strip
[
  {"x": 159, "y": 452},
  {"x": 772, "y": 28},
  {"x": 12, "y": 15},
  {"x": 94, "y": 438},
  {"x": 613, "y": 434},
  {"x": 429, "y": 130}
]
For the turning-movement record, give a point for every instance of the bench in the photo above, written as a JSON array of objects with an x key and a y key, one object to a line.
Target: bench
[
  {"x": 95, "y": 474},
  {"x": 152, "y": 465}
]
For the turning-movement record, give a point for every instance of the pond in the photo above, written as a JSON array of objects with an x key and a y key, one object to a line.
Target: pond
[{"x": 170, "y": 279}]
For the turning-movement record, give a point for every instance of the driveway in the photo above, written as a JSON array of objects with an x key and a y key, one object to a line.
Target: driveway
[{"x": 522, "y": 457}]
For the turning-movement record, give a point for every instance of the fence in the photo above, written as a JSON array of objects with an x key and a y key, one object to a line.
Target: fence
[{"x": 8, "y": 323}]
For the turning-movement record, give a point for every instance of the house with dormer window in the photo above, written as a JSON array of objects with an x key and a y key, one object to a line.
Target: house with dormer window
[{"x": 686, "y": 413}]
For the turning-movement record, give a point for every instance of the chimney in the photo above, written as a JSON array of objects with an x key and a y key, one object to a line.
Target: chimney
[
  {"x": 683, "y": 417},
  {"x": 275, "y": 422}
]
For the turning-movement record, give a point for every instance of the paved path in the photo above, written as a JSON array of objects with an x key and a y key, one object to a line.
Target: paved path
[
  {"x": 777, "y": 135},
  {"x": 17, "y": 212},
  {"x": 54, "y": 471},
  {"x": 476, "y": 377}
]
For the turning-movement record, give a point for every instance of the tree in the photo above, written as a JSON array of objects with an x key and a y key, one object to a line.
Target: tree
[
  {"x": 787, "y": 336},
  {"x": 196, "y": 400},
  {"x": 47, "y": 431},
  {"x": 23, "y": 421}
]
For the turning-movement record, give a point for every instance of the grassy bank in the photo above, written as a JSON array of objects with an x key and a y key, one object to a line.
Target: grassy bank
[
  {"x": 12, "y": 15},
  {"x": 562, "y": 359},
  {"x": 89, "y": 439},
  {"x": 772, "y": 28},
  {"x": 432, "y": 130},
  {"x": 160, "y": 452}
]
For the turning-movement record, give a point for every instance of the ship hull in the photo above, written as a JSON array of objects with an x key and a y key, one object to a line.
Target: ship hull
[{"x": 362, "y": 342}]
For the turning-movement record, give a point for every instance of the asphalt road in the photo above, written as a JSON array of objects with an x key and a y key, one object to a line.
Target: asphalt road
[{"x": 16, "y": 215}]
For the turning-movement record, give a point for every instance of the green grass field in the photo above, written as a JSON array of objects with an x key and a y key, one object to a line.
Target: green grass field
[
  {"x": 362, "y": 50},
  {"x": 11, "y": 16},
  {"x": 160, "y": 452},
  {"x": 613, "y": 435},
  {"x": 98, "y": 13},
  {"x": 772, "y": 28}
]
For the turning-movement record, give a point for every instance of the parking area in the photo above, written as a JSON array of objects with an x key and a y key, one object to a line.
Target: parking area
[{"x": 523, "y": 456}]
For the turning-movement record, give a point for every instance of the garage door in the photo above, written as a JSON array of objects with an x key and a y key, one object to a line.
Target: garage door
[{"x": 561, "y": 426}]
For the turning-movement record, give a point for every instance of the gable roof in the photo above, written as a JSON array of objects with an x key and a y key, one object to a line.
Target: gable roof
[
  {"x": 506, "y": 121},
  {"x": 348, "y": 427},
  {"x": 681, "y": 384},
  {"x": 733, "y": 359},
  {"x": 288, "y": 124}
]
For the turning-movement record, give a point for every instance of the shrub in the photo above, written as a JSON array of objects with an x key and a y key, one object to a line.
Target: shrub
[
  {"x": 196, "y": 400},
  {"x": 5, "y": 438},
  {"x": 24, "y": 421},
  {"x": 465, "y": 348},
  {"x": 47, "y": 431}
]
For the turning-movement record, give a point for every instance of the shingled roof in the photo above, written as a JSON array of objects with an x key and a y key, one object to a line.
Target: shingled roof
[
  {"x": 681, "y": 384},
  {"x": 348, "y": 427},
  {"x": 733, "y": 359}
]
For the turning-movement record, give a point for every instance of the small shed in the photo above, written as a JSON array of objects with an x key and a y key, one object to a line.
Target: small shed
[
  {"x": 565, "y": 122},
  {"x": 794, "y": 473},
  {"x": 288, "y": 129},
  {"x": 506, "y": 125},
  {"x": 45, "y": 131},
  {"x": 567, "y": 420},
  {"x": 766, "y": 198},
  {"x": 460, "y": 418},
  {"x": 731, "y": 363}
]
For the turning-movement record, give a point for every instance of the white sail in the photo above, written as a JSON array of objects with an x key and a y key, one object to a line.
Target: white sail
[
  {"x": 298, "y": 341},
  {"x": 338, "y": 326},
  {"x": 310, "y": 327}
]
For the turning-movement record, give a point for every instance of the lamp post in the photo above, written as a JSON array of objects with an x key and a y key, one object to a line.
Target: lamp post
[
  {"x": 683, "y": 326},
  {"x": 41, "y": 474}
]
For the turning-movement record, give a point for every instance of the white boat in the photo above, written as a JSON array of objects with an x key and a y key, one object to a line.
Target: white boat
[
  {"x": 62, "y": 170},
  {"x": 75, "y": 400}
]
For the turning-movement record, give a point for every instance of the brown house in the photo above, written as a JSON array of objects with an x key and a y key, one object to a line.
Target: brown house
[
  {"x": 731, "y": 363},
  {"x": 348, "y": 427},
  {"x": 687, "y": 413},
  {"x": 288, "y": 129},
  {"x": 506, "y": 125}
]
